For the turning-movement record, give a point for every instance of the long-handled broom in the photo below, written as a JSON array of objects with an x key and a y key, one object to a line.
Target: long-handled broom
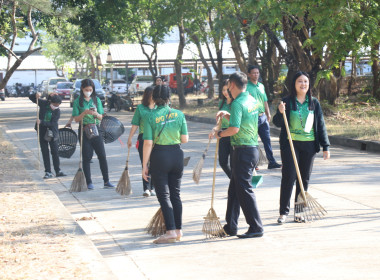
[
  {"x": 156, "y": 226},
  {"x": 306, "y": 208},
  {"x": 79, "y": 181},
  {"x": 212, "y": 227},
  {"x": 38, "y": 136},
  {"x": 197, "y": 171},
  {"x": 124, "y": 185}
]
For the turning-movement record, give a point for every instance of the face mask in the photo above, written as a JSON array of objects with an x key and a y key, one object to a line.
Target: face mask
[
  {"x": 53, "y": 107},
  {"x": 87, "y": 93}
]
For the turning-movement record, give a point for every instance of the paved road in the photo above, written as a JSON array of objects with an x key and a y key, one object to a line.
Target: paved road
[{"x": 344, "y": 245}]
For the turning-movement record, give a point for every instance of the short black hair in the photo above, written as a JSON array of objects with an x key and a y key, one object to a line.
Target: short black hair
[
  {"x": 251, "y": 67},
  {"x": 161, "y": 94},
  {"x": 239, "y": 78},
  {"x": 55, "y": 99}
]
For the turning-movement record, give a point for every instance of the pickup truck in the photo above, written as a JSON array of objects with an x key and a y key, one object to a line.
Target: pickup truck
[{"x": 139, "y": 84}]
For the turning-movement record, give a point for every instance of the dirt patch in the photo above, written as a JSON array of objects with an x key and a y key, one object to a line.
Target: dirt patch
[{"x": 33, "y": 243}]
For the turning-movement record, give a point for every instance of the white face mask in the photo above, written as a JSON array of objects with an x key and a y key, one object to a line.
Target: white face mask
[
  {"x": 53, "y": 107},
  {"x": 87, "y": 93}
]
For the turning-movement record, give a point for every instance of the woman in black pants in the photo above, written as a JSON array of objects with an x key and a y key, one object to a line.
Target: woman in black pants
[
  {"x": 225, "y": 148},
  {"x": 308, "y": 131},
  {"x": 164, "y": 130},
  {"x": 142, "y": 111},
  {"x": 88, "y": 108}
]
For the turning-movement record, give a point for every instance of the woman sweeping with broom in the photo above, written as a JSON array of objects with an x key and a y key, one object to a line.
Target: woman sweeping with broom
[
  {"x": 142, "y": 111},
  {"x": 164, "y": 130},
  {"x": 308, "y": 132},
  {"x": 88, "y": 109}
]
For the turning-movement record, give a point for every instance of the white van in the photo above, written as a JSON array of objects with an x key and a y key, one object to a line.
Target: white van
[
  {"x": 139, "y": 84},
  {"x": 52, "y": 84}
]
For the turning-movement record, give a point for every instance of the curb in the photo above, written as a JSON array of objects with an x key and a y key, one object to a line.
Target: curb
[{"x": 362, "y": 145}]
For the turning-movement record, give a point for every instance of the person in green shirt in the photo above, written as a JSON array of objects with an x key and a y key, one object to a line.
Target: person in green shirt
[
  {"x": 308, "y": 132},
  {"x": 164, "y": 130},
  {"x": 142, "y": 111},
  {"x": 257, "y": 90},
  {"x": 88, "y": 109},
  {"x": 225, "y": 148},
  {"x": 244, "y": 140}
]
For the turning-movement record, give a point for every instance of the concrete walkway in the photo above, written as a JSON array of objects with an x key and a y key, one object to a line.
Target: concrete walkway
[{"x": 344, "y": 245}]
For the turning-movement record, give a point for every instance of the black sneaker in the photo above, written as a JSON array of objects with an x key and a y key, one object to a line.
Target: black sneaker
[
  {"x": 274, "y": 165},
  {"x": 48, "y": 175},
  {"x": 60, "y": 174}
]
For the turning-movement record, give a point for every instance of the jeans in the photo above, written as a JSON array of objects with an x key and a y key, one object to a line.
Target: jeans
[
  {"x": 146, "y": 184},
  {"x": 45, "y": 153},
  {"x": 264, "y": 133},
  {"x": 305, "y": 153},
  {"x": 240, "y": 192},
  {"x": 166, "y": 162},
  {"x": 225, "y": 151},
  {"x": 89, "y": 146}
]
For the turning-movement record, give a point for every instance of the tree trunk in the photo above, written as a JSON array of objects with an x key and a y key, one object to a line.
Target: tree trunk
[
  {"x": 235, "y": 44},
  {"x": 178, "y": 66},
  {"x": 252, "y": 43},
  {"x": 375, "y": 70},
  {"x": 92, "y": 64}
]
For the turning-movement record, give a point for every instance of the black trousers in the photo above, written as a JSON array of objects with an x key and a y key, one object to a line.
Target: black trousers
[
  {"x": 240, "y": 192},
  {"x": 167, "y": 169},
  {"x": 45, "y": 153},
  {"x": 146, "y": 184},
  {"x": 305, "y": 153},
  {"x": 224, "y": 153},
  {"x": 89, "y": 146}
]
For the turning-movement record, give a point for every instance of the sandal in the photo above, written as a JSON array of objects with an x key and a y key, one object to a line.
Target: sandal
[{"x": 163, "y": 239}]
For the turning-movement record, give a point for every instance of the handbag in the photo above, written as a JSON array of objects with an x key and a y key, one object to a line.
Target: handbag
[
  {"x": 48, "y": 135},
  {"x": 91, "y": 131}
]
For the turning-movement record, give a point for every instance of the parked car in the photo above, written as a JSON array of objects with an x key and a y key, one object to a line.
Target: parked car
[
  {"x": 2, "y": 94},
  {"x": 119, "y": 86},
  {"x": 187, "y": 80},
  {"x": 42, "y": 88},
  {"x": 63, "y": 89},
  {"x": 52, "y": 85},
  {"x": 75, "y": 91},
  {"x": 139, "y": 84}
]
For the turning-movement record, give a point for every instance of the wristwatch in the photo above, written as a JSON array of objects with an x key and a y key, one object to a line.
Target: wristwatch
[{"x": 219, "y": 132}]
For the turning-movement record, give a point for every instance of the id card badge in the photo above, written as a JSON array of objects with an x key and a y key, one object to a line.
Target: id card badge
[{"x": 309, "y": 122}]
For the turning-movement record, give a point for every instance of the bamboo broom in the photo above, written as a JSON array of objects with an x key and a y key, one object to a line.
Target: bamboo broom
[
  {"x": 79, "y": 181},
  {"x": 212, "y": 227},
  {"x": 124, "y": 185},
  {"x": 156, "y": 226},
  {"x": 306, "y": 207},
  {"x": 197, "y": 171}
]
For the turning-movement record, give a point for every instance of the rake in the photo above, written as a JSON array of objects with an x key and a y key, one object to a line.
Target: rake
[
  {"x": 306, "y": 208},
  {"x": 212, "y": 227},
  {"x": 124, "y": 184}
]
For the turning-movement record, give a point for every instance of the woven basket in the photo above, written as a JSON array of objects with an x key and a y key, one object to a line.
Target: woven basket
[
  {"x": 67, "y": 142},
  {"x": 111, "y": 129}
]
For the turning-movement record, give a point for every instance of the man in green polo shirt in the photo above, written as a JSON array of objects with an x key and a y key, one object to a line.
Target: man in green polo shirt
[
  {"x": 257, "y": 90},
  {"x": 245, "y": 155}
]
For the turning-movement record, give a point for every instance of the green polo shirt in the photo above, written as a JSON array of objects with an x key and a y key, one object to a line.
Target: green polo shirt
[
  {"x": 138, "y": 118},
  {"x": 258, "y": 92},
  {"x": 244, "y": 115},
  {"x": 225, "y": 107},
  {"x": 175, "y": 126},
  {"x": 77, "y": 110},
  {"x": 296, "y": 126}
]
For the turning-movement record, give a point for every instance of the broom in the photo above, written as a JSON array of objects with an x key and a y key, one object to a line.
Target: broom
[
  {"x": 79, "y": 181},
  {"x": 306, "y": 207},
  {"x": 156, "y": 226},
  {"x": 262, "y": 158},
  {"x": 212, "y": 227},
  {"x": 124, "y": 185},
  {"x": 197, "y": 171},
  {"x": 38, "y": 137}
]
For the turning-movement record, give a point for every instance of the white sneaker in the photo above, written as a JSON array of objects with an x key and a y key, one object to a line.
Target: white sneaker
[
  {"x": 282, "y": 219},
  {"x": 146, "y": 193},
  {"x": 152, "y": 193}
]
